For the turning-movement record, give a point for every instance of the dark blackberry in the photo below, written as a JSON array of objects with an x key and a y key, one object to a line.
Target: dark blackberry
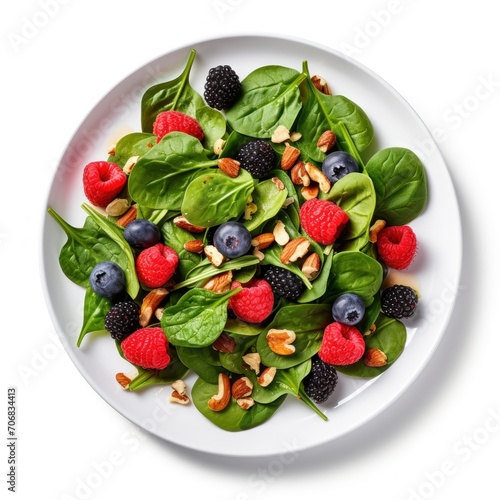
[
  {"x": 122, "y": 320},
  {"x": 399, "y": 301},
  {"x": 222, "y": 87},
  {"x": 321, "y": 381},
  {"x": 284, "y": 283},
  {"x": 257, "y": 157}
]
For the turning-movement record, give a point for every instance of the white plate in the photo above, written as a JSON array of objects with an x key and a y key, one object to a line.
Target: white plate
[{"x": 436, "y": 268}]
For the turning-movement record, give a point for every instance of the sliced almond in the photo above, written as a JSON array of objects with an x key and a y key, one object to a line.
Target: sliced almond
[
  {"x": 326, "y": 141},
  {"x": 150, "y": 303},
  {"x": 130, "y": 164},
  {"x": 220, "y": 400},
  {"x": 267, "y": 376},
  {"x": 214, "y": 256},
  {"x": 241, "y": 388},
  {"x": 252, "y": 359},
  {"x": 263, "y": 241},
  {"x": 194, "y": 246},
  {"x": 374, "y": 358},
  {"x": 377, "y": 226},
  {"x": 229, "y": 166},
  {"x": 183, "y": 223},
  {"x": 321, "y": 84},
  {"x": 299, "y": 175},
  {"x": 311, "y": 266},
  {"x": 224, "y": 343},
  {"x": 245, "y": 403},
  {"x": 318, "y": 176},
  {"x": 280, "y": 233},
  {"x": 294, "y": 250},
  {"x": 220, "y": 283},
  {"x": 290, "y": 157}
]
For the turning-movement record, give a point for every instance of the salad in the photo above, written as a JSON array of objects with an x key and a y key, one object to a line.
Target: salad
[{"x": 242, "y": 236}]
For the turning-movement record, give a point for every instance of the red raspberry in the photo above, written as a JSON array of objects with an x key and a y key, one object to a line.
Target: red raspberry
[
  {"x": 148, "y": 348},
  {"x": 156, "y": 265},
  {"x": 102, "y": 182},
  {"x": 322, "y": 220},
  {"x": 254, "y": 303},
  {"x": 175, "y": 121},
  {"x": 341, "y": 345},
  {"x": 397, "y": 246}
]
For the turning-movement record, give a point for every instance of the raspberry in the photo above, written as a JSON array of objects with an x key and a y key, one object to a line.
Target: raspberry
[
  {"x": 122, "y": 319},
  {"x": 341, "y": 345},
  {"x": 256, "y": 157},
  {"x": 222, "y": 87},
  {"x": 322, "y": 220},
  {"x": 156, "y": 265},
  {"x": 175, "y": 121},
  {"x": 399, "y": 301},
  {"x": 284, "y": 283},
  {"x": 254, "y": 303},
  {"x": 147, "y": 348},
  {"x": 321, "y": 381},
  {"x": 102, "y": 182},
  {"x": 397, "y": 246}
]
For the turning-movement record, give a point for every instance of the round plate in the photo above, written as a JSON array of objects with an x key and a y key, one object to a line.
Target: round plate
[{"x": 435, "y": 270}]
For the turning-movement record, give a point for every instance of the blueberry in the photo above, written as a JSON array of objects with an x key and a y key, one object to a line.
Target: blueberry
[
  {"x": 142, "y": 233},
  {"x": 107, "y": 279},
  {"x": 338, "y": 164},
  {"x": 348, "y": 309},
  {"x": 232, "y": 239}
]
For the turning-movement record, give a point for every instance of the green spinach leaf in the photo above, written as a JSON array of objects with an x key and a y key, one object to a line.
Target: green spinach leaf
[
  {"x": 134, "y": 144},
  {"x": 400, "y": 182},
  {"x": 95, "y": 308}
]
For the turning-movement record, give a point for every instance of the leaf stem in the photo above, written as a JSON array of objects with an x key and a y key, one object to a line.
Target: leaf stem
[{"x": 308, "y": 401}]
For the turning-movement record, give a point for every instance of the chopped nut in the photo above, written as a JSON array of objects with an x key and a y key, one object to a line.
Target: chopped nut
[
  {"x": 224, "y": 343},
  {"x": 250, "y": 209},
  {"x": 311, "y": 266},
  {"x": 372, "y": 329},
  {"x": 289, "y": 201},
  {"x": 290, "y": 157},
  {"x": 257, "y": 253},
  {"x": 111, "y": 149},
  {"x": 242, "y": 388},
  {"x": 177, "y": 397},
  {"x": 220, "y": 283},
  {"x": 318, "y": 176},
  {"x": 180, "y": 386},
  {"x": 130, "y": 164},
  {"x": 118, "y": 207},
  {"x": 267, "y": 376},
  {"x": 280, "y": 341},
  {"x": 294, "y": 250},
  {"x": 310, "y": 192},
  {"x": 159, "y": 313},
  {"x": 326, "y": 141},
  {"x": 299, "y": 175},
  {"x": 377, "y": 226},
  {"x": 320, "y": 83},
  {"x": 280, "y": 233},
  {"x": 219, "y": 146},
  {"x": 252, "y": 359},
  {"x": 374, "y": 358},
  {"x": 183, "y": 223},
  {"x": 279, "y": 183},
  {"x": 263, "y": 241},
  {"x": 281, "y": 134},
  {"x": 229, "y": 166},
  {"x": 245, "y": 403},
  {"x": 127, "y": 217},
  {"x": 124, "y": 379},
  {"x": 150, "y": 303},
  {"x": 214, "y": 256},
  {"x": 295, "y": 136},
  {"x": 194, "y": 246},
  {"x": 220, "y": 400}
]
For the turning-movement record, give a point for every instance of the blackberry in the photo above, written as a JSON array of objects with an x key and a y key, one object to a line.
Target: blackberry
[
  {"x": 399, "y": 301},
  {"x": 222, "y": 87},
  {"x": 257, "y": 157},
  {"x": 321, "y": 381},
  {"x": 284, "y": 283},
  {"x": 122, "y": 320}
]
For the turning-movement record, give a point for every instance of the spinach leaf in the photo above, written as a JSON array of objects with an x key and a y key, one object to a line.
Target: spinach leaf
[
  {"x": 161, "y": 176},
  {"x": 232, "y": 418},
  {"x": 400, "y": 183},
  {"x": 126, "y": 257},
  {"x": 308, "y": 322},
  {"x": 242, "y": 328},
  {"x": 175, "y": 237},
  {"x": 355, "y": 194},
  {"x": 323, "y": 112},
  {"x": 270, "y": 97},
  {"x": 213, "y": 197},
  {"x": 389, "y": 337},
  {"x": 293, "y": 209},
  {"x": 95, "y": 308},
  {"x": 269, "y": 200},
  {"x": 233, "y": 361},
  {"x": 201, "y": 361},
  {"x": 134, "y": 144},
  {"x": 354, "y": 272},
  {"x": 178, "y": 95},
  {"x": 197, "y": 319},
  {"x": 95, "y": 242}
]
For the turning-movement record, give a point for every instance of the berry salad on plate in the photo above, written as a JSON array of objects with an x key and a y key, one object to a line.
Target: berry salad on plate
[{"x": 243, "y": 236}]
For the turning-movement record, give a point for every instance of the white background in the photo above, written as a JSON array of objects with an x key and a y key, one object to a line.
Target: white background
[{"x": 439, "y": 440}]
